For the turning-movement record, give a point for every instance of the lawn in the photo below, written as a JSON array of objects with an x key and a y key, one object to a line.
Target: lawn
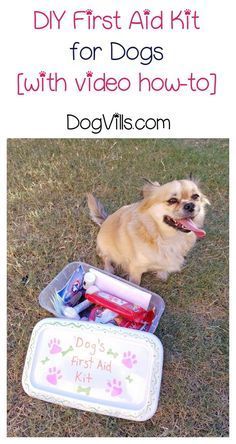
[{"x": 49, "y": 226}]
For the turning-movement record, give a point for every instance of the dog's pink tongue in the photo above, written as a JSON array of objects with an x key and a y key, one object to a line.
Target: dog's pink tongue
[{"x": 188, "y": 223}]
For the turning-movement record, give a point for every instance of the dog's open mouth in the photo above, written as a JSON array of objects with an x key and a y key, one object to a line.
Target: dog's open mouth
[{"x": 184, "y": 225}]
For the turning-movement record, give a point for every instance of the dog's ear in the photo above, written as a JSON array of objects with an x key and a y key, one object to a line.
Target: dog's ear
[
  {"x": 194, "y": 179},
  {"x": 205, "y": 200},
  {"x": 197, "y": 182},
  {"x": 149, "y": 187}
]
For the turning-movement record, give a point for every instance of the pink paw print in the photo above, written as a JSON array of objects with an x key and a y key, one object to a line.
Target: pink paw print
[
  {"x": 187, "y": 11},
  {"x": 54, "y": 346},
  {"x": 146, "y": 11},
  {"x": 114, "y": 387},
  {"x": 89, "y": 11},
  {"x": 129, "y": 360},
  {"x": 89, "y": 74},
  {"x": 53, "y": 375},
  {"x": 42, "y": 73}
]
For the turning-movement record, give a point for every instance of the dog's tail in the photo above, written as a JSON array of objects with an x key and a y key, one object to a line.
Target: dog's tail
[{"x": 97, "y": 211}]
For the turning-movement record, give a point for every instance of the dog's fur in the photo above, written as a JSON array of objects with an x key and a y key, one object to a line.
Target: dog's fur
[{"x": 137, "y": 238}]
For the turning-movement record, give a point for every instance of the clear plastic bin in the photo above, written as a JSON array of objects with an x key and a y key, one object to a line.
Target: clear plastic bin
[{"x": 61, "y": 279}]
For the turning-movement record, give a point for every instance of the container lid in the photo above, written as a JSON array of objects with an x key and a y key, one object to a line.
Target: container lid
[{"x": 99, "y": 368}]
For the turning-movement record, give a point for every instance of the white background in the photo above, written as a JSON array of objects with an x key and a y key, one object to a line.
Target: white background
[
  {"x": 198, "y": 51},
  {"x": 25, "y": 50}
]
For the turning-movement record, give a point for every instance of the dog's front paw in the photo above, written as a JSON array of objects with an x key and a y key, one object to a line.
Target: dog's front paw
[{"x": 163, "y": 275}]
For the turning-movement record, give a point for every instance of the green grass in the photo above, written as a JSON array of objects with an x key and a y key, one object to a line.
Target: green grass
[{"x": 48, "y": 226}]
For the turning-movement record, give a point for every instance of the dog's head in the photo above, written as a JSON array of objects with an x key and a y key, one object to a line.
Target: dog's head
[{"x": 178, "y": 205}]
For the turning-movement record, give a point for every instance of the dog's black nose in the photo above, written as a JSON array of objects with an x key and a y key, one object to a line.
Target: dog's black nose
[{"x": 189, "y": 207}]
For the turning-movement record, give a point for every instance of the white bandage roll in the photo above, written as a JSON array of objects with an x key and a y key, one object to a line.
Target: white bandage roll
[{"x": 123, "y": 290}]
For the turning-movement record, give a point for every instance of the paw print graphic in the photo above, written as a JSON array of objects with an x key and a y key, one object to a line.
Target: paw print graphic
[
  {"x": 114, "y": 387},
  {"x": 89, "y": 74},
  {"x": 129, "y": 360},
  {"x": 54, "y": 346},
  {"x": 89, "y": 11},
  {"x": 116, "y": 114},
  {"x": 42, "y": 73},
  {"x": 146, "y": 11},
  {"x": 53, "y": 375},
  {"x": 187, "y": 11}
]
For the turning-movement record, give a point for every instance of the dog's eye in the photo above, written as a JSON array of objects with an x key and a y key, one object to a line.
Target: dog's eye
[
  {"x": 172, "y": 201},
  {"x": 195, "y": 196}
]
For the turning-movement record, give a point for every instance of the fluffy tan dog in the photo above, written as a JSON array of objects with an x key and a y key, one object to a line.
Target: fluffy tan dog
[{"x": 154, "y": 234}]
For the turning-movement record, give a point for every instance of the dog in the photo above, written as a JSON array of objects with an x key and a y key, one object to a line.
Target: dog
[{"x": 154, "y": 234}]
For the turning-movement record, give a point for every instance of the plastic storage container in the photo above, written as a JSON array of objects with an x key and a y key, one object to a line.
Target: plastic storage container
[
  {"x": 61, "y": 279},
  {"x": 105, "y": 369}
]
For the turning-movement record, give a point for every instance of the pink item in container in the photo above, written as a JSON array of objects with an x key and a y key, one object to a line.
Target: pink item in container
[{"x": 129, "y": 311}]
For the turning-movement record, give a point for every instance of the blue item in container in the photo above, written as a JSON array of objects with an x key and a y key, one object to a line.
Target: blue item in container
[{"x": 73, "y": 290}]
